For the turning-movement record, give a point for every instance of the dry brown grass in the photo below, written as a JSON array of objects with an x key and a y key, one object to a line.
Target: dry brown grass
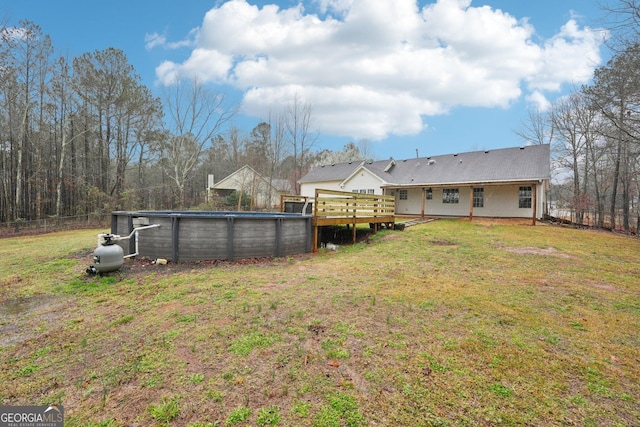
[{"x": 446, "y": 323}]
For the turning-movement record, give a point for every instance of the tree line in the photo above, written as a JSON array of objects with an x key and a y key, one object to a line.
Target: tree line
[
  {"x": 84, "y": 135},
  {"x": 595, "y": 134}
]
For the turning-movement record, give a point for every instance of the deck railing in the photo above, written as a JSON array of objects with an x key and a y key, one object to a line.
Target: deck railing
[
  {"x": 332, "y": 207},
  {"x": 339, "y": 207}
]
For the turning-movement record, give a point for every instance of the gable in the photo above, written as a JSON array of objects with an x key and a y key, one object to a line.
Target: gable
[
  {"x": 247, "y": 177},
  {"x": 362, "y": 178},
  {"x": 244, "y": 175}
]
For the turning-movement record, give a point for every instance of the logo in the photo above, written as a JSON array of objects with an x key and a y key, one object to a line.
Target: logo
[{"x": 32, "y": 416}]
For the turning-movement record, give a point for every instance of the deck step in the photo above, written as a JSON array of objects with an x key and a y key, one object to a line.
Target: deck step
[{"x": 416, "y": 221}]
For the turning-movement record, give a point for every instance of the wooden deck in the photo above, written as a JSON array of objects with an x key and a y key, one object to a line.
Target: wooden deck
[{"x": 343, "y": 208}]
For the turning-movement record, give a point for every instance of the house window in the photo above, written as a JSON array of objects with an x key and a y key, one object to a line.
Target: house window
[
  {"x": 478, "y": 197},
  {"x": 450, "y": 195},
  {"x": 524, "y": 197},
  {"x": 402, "y": 194},
  {"x": 363, "y": 191},
  {"x": 429, "y": 194},
  {"x": 371, "y": 191}
]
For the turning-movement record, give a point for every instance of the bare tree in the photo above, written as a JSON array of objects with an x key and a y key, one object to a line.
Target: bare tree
[
  {"x": 365, "y": 146},
  {"x": 26, "y": 52},
  {"x": 537, "y": 129},
  {"x": 195, "y": 115},
  {"x": 301, "y": 137},
  {"x": 616, "y": 95},
  {"x": 623, "y": 21}
]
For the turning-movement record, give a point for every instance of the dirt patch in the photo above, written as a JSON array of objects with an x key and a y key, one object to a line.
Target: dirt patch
[
  {"x": 271, "y": 287},
  {"x": 501, "y": 221},
  {"x": 21, "y": 318},
  {"x": 442, "y": 242},
  {"x": 603, "y": 286},
  {"x": 531, "y": 250}
]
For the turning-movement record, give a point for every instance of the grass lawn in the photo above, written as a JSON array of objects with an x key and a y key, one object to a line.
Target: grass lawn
[{"x": 446, "y": 323}]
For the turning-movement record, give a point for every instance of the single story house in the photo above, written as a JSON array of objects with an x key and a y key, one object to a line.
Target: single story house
[
  {"x": 506, "y": 182},
  {"x": 264, "y": 193}
]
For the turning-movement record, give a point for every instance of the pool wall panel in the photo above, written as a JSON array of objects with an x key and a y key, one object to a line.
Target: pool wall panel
[{"x": 193, "y": 236}]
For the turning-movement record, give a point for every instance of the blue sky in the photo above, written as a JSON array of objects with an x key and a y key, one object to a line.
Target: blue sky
[{"x": 440, "y": 77}]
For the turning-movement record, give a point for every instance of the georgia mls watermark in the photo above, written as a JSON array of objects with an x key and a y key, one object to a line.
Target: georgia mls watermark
[{"x": 32, "y": 416}]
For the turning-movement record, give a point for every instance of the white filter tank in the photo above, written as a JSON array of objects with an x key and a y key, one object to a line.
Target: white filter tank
[{"x": 108, "y": 256}]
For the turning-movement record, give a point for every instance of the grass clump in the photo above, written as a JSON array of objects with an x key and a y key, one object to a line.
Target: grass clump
[
  {"x": 166, "y": 410},
  {"x": 268, "y": 416},
  {"x": 238, "y": 415},
  {"x": 244, "y": 344},
  {"x": 341, "y": 408}
]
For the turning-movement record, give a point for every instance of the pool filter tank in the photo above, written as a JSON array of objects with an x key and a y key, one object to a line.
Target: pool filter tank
[{"x": 108, "y": 256}]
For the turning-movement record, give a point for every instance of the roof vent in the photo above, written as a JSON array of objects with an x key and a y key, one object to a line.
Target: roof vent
[
  {"x": 391, "y": 164},
  {"x": 455, "y": 155},
  {"x": 431, "y": 162},
  {"x": 522, "y": 148},
  {"x": 486, "y": 151}
]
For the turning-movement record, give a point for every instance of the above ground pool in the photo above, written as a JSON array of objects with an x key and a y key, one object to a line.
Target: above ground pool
[{"x": 195, "y": 236}]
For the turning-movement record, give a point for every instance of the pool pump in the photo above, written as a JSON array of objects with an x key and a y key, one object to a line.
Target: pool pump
[{"x": 109, "y": 256}]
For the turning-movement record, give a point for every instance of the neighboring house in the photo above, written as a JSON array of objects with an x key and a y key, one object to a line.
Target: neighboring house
[
  {"x": 263, "y": 193},
  {"x": 506, "y": 182}
]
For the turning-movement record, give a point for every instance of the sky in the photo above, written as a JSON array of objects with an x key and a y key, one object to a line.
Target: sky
[{"x": 425, "y": 77}]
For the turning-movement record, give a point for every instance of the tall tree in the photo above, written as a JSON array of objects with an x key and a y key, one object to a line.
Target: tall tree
[
  {"x": 26, "y": 52},
  {"x": 120, "y": 110},
  {"x": 301, "y": 137},
  {"x": 615, "y": 93},
  {"x": 623, "y": 21},
  {"x": 568, "y": 119},
  {"x": 537, "y": 128},
  {"x": 195, "y": 115}
]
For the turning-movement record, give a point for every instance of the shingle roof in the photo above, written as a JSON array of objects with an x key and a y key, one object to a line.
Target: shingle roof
[
  {"x": 281, "y": 184},
  {"x": 335, "y": 172},
  {"x": 505, "y": 164}
]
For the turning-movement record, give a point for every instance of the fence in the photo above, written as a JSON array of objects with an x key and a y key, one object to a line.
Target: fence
[
  {"x": 589, "y": 219},
  {"x": 51, "y": 224}
]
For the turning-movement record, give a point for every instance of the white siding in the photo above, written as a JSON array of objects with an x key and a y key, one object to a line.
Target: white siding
[
  {"x": 413, "y": 204},
  {"x": 308, "y": 189},
  {"x": 363, "y": 180},
  {"x": 249, "y": 181},
  {"x": 499, "y": 201}
]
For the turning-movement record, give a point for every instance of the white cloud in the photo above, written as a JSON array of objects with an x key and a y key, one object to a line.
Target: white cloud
[
  {"x": 153, "y": 40},
  {"x": 540, "y": 102},
  {"x": 160, "y": 40},
  {"x": 371, "y": 69},
  {"x": 568, "y": 57}
]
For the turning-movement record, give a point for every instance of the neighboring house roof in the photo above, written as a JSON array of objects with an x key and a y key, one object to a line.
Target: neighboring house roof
[
  {"x": 500, "y": 165},
  {"x": 282, "y": 185}
]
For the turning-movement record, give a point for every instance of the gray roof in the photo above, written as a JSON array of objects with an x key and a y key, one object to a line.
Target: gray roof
[
  {"x": 335, "y": 172},
  {"x": 281, "y": 184},
  {"x": 505, "y": 164}
]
